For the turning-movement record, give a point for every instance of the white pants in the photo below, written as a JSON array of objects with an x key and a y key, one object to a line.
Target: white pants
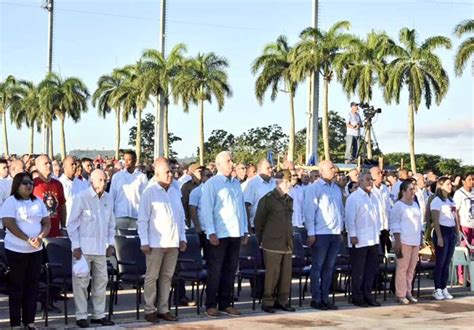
[{"x": 98, "y": 267}]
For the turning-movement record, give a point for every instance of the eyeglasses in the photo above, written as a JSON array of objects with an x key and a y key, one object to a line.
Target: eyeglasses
[{"x": 27, "y": 183}]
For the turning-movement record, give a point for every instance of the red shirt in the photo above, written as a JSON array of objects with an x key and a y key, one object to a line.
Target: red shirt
[{"x": 52, "y": 194}]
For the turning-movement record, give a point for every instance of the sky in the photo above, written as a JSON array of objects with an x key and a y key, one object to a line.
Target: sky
[{"x": 94, "y": 37}]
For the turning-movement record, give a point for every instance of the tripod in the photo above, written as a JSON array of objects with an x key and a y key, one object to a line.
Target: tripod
[{"x": 364, "y": 141}]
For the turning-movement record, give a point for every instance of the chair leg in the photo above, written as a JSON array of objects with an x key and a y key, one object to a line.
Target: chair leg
[
  {"x": 137, "y": 300},
  {"x": 176, "y": 297},
  {"x": 300, "y": 291},
  {"x": 291, "y": 290},
  {"x": 65, "y": 305},
  {"x": 45, "y": 307},
  {"x": 198, "y": 310},
  {"x": 111, "y": 305}
]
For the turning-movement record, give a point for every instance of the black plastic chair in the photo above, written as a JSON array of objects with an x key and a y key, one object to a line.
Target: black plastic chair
[
  {"x": 131, "y": 266},
  {"x": 386, "y": 267},
  {"x": 251, "y": 265},
  {"x": 190, "y": 268},
  {"x": 300, "y": 266},
  {"x": 127, "y": 231},
  {"x": 423, "y": 267},
  {"x": 342, "y": 269},
  {"x": 59, "y": 266}
]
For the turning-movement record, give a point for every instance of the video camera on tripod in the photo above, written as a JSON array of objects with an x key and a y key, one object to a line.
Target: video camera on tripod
[{"x": 369, "y": 111}]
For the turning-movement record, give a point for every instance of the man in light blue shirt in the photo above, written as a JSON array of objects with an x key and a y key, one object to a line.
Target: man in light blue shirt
[
  {"x": 224, "y": 218},
  {"x": 353, "y": 124},
  {"x": 323, "y": 212}
]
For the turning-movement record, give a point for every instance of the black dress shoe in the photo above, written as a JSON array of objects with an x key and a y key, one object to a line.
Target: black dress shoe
[
  {"x": 331, "y": 306},
  {"x": 285, "y": 308},
  {"x": 372, "y": 303},
  {"x": 82, "y": 323},
  {"x": 268, "y": 309},
  {"x": 359, "y": 303},
  {"x": 319, "y": 305},
  {"x": 102, "y": 321}
]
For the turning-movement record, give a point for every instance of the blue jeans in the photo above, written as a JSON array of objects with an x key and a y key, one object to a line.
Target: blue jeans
[
  {"x": 443, "y": 256},
  {"x": 352, "y": 147},
  {"x": 323, "y": 255}
]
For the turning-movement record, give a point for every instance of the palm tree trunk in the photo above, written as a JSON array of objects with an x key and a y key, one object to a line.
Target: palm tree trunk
[
  {"x": 117, "y": 133},
  {"x": 32, "y": 138},
  {"x": 201, "y": 132},
  {"x": 50, "y": 151},
  {"x": 62, "y": 138},
  {"x": 166, "y": 147},
  {"x": 326, "y": 119},
  {"x": 411, "y": 135},
  {"x": 5, "y": 134},
  {"x": 138, "y": 140},
  {"x": 291, "y": 145}
]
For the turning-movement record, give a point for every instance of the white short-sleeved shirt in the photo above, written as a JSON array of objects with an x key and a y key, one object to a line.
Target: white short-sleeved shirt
[
  {"x": 464, "y": 201},
  {"x": 447, "y": 211},
  {"x": 28, "y": 214},
  {"x": 195, "y": 200},
  {"x": 406, "y": 220}
]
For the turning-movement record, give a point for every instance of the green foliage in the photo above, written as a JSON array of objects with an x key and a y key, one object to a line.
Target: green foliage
[
  {"x": 218, "y": 141},
  {"x": 148, "y": 138},
  {"x": 466, "y": 48},
  {"x": 425, "y": 162}
]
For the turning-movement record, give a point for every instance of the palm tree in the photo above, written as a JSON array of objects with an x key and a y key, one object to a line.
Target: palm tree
[
  {"x": 201, "y": 79},
  {"x": 160, "y": 73},
  {"x": 419, "y": 69},
  {"x": 319, "y": 51},
  {"x": 362, "y": 66},
  {"x": 105, "y": 96},
  {"x": 466, "y": 49},
  {"x": 10, "y": 97},
  {"x": 131, "y": 98},
  {"x": 274, "y": 68},
  {"x": 63, "y": 98},
  {"x": 28, "y": 111}
]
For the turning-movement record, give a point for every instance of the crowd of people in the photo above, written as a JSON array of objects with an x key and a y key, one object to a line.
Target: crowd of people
[{"x": 224, "y": 203}]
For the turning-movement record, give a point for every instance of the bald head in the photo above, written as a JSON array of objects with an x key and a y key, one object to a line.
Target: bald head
[
  {"x": 69, "y": 167},
  {"x": 327, "y": 170},
  {"x": 288, "y": 165},
  {"x": 224, "y": 163},
  {"x": 403, "y": 174},
  {"x": 16, "y": 166},
  {"x": 43, "y": 166},
  {"x": 98, "y": 180},
  {"x": 264, "y": 167},
  {"x": 163, "y": 173}
]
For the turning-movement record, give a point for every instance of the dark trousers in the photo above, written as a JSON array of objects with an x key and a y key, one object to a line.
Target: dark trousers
[
  {"x": 385, "y": 242},
  {"x": 222, "y": 263},
  {"x": 277, "y": 278},
  {"x": 323, "y": 257},
  {"x": 364, "y": 264},
  {"x": 23, "y": 282},
  {"x": 443, "y": 256}
]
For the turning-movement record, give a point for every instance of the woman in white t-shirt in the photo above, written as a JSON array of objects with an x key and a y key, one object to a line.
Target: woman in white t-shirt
[
  {"x": 405, "y": 223},
  {"x": 445, "y": 237},
  {"x": 464, "y": 200},
  {"x": 26, "y": 219}
]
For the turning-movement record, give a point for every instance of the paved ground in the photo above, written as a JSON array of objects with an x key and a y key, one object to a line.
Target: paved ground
[{"x": 428, "y": 314}]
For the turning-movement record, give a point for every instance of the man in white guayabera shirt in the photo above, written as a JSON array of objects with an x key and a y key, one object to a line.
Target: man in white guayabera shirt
[
  {"x": 71, "y": 187},
  {"x": 91, "y": 229},
  {"x": 126, "y": 188},
  {"x": 162, "y": 231}
]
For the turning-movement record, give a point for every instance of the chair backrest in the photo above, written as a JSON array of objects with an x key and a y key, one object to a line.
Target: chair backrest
[
  {"x": 193, "y": 252},
  {"x": 251, "y": 249},
  {"x": 58, "y": 251},
  {"x": 303, "y": 232},
  {"x": 128, "y": 250},
  {"x": 127, "y": 231},
  {"x": 298, "y": 250},
  {"x": 460, "y": 256},
  {"x": 2, "y": 233}
]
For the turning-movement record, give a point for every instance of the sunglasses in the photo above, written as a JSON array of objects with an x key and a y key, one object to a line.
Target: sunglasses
[{"x": 27, "y": 183}]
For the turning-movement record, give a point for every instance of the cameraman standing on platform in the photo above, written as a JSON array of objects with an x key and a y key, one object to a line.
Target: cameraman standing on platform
[{"x": 353, "y": 124}]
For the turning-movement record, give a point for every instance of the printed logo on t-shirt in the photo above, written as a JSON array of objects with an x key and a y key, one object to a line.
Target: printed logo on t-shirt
[{"x": 51, "y": 201}]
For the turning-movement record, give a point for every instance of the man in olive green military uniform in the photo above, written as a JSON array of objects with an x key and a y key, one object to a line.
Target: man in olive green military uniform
[{"x": 274, "y": 229}]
